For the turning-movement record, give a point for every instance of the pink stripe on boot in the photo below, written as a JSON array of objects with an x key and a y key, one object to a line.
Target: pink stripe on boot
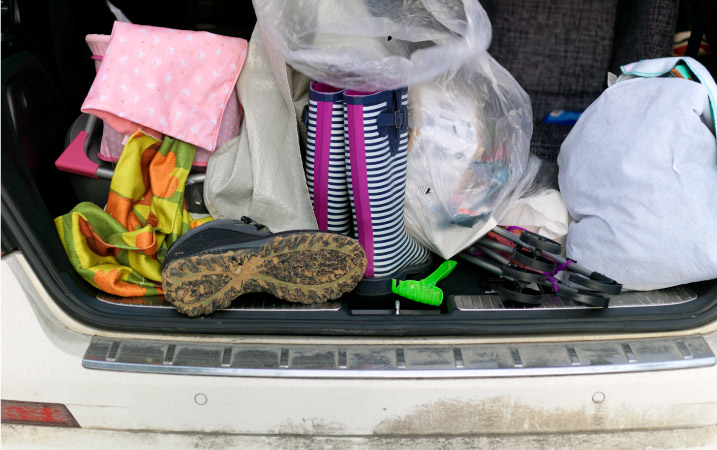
[
  {"x": 322, "y": 151},
  {"x": 359, "y": 180}
]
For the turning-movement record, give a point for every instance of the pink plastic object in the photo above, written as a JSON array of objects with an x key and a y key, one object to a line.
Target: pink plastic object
[
  {"x": 98, "y": 46},
  {"x": 75, "y": 160},
  {"x": 111, "y": 145}
]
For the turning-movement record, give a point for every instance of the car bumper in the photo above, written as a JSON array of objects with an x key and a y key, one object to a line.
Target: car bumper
[{"x": 43, "y": 350}]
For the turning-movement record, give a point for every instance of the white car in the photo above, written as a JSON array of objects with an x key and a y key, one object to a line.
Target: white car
[{"x": 86, "y": 370}]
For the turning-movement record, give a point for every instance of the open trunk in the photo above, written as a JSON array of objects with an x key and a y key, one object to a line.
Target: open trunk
[
  {"x": 35, "y": 124},
  {"x": 470, "y": 307}
]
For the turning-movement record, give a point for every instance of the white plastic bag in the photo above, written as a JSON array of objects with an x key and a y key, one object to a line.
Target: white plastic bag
[
  {"x": 470, "y": 121},
  {"x": 544, "y": 213},
  {"x": 638, "y": 173}
]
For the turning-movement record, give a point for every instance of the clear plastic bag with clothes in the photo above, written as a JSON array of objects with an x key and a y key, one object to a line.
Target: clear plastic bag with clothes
[{"x": 470, "y": 122}]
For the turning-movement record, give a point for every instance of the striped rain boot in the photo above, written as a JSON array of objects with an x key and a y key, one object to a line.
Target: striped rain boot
[
  {"x": 324, "y": 167},
  {"x": 377, "y": 135}
]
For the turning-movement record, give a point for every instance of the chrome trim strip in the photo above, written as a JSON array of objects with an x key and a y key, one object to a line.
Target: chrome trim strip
[
  {"x": 632, "y": 299},
  {"x": 409, "y": 361},
  {"x": 246, "y": 304},
  {"x": 436, "y": 373},
  {"x": 478, "y": 302}
]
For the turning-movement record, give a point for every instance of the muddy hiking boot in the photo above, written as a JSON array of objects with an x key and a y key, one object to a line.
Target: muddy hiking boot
[{"x": 211, "y": 265}]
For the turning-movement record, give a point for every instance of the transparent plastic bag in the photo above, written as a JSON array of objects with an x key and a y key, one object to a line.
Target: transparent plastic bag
[
  {"x": 374, "y": 44},
  {"x": 470, "y": 122}
]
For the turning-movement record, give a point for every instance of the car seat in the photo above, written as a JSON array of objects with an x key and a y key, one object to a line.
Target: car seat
[{"x": 560, "y": 51}]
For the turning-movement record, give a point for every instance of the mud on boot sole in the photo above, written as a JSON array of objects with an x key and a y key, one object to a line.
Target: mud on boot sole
[{"x": 301, "y": 267}]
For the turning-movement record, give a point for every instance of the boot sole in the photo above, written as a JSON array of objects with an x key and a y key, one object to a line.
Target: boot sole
[{"x": 301, "y": 267}]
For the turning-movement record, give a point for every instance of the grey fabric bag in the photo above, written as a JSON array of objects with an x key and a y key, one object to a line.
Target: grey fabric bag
[{"x": 260, "y": 173}]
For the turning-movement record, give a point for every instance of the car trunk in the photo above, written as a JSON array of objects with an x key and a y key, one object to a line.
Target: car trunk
[
  {"x": 36, "y": 120},
  {"x": 471, "y": 306}
]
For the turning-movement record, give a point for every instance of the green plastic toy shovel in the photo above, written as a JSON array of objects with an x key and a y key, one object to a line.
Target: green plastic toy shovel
[{"x": 424, "y": 291}]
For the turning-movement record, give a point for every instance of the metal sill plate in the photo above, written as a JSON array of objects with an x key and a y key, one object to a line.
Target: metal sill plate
[
  {"x": 631, "y": 299},
  {"x": 378, "y": 361},
  {"x": 481, "y": 302},
  {"x": 248, "y": 303}
]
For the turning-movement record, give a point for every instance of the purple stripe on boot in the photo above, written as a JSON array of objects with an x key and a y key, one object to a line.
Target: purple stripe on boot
[{"x": 359, "y": 179}]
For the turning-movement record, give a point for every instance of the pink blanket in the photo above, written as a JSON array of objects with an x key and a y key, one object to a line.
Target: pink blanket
[{"x": 173, "y": 81}]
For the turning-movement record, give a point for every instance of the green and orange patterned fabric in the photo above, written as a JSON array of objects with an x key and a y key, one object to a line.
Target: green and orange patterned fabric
[{"x": 120, "y": 249}]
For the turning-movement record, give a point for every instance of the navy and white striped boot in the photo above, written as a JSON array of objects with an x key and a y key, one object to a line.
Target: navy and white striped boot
[
  {"x": 377, "y": 136},
  {"x": 324, "y": 167}
]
